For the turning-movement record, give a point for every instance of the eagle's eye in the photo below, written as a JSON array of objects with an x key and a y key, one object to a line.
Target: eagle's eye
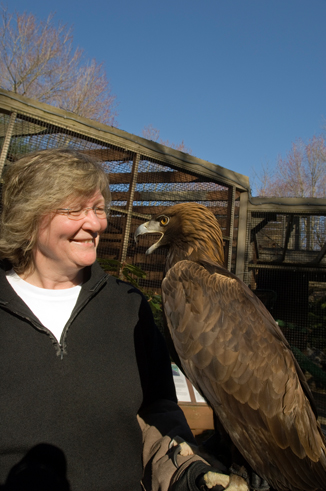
[{"x": 164, "y": 220}]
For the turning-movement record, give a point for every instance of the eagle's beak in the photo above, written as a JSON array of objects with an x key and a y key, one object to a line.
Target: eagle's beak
[
  {"x": 141, "y": 230},
  {"x": 150, "y": 227}
]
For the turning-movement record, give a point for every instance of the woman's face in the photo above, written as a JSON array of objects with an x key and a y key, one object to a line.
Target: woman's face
[{"x": 65, "y": 246}]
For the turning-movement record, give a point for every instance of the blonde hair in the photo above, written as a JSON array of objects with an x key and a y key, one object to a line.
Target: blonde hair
[{"x": 36, "y": 185}]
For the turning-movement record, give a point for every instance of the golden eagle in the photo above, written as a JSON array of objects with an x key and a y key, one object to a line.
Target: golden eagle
[{"x": 236, "y": 356}]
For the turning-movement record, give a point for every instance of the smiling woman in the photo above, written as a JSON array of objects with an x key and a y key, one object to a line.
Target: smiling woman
[
  {"x": 65, "y": 246},
  {"x": 82, "y": 364},
  {"x": 37, "y": 185}
]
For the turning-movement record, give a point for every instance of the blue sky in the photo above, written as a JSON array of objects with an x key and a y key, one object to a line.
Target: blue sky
[{"x": 237, "y": 80}]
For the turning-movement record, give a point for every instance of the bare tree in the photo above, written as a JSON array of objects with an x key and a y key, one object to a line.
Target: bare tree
[
  {"x": 37, "y": 60},
  {"x": 89, "y": 96},
  {"x": 153, "y": 134},
  {"x": 301, "y": 174}
]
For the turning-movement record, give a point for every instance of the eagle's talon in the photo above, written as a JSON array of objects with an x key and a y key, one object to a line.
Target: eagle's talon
[
  {"x": 181, "y": 447},
  {"x": 175, "y": 454},
  {"x": 173, "y": 443}
]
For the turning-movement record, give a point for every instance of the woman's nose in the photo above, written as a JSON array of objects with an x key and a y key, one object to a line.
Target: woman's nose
[{"x": 92, "y": 221}]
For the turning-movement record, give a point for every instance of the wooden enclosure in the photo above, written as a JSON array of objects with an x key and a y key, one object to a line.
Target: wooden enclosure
[
  {"x": 145, "y": 176},
  {"x": 277, "y": 246}
]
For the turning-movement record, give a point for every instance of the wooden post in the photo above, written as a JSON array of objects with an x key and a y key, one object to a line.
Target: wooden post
[
  {"x": 242, "y": 235},
  {"x": 231, "y": 205},
  {"x": 6, "y": 142},
  {"x": 131, "y": 193}
]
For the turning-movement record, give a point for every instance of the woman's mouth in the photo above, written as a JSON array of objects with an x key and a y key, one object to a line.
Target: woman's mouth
[{"x": 85, "y": 241}]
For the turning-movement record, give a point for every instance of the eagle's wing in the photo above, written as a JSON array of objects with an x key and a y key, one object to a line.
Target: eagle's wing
[{"x": 235, "y": 355}]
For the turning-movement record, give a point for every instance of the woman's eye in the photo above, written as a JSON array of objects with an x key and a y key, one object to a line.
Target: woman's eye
[
  {"x": 75, "y": 213},
  {"x": 164, "y": 221}
]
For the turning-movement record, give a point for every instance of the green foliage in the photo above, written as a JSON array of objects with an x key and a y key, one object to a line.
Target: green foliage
[
  {"x": 317, "y": 323},
  {"x": 132, "y": 274},
  {"x": 126, "y": 272},
  {"x": 307, "y": 365},
  {"x": 290, "y": 326},
  {"x": 155, "y": 302}
]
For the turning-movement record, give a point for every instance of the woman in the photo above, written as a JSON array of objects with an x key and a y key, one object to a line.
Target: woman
[{"x": 80, "y": 356}]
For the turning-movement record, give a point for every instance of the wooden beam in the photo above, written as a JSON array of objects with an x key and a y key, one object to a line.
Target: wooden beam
[
  {"x": 146, "y": 211},
  {"x": 156, "y": 177},
  {"x": 109, "y": 155},
  {"x": 297, "y": 206},
  {"x": 173, "y": 196},
  {"x": 288, "y": 266},
  {"x": 287, "y": 236},
  {"x": 320, "y": 256},
  {"x": 258, "y": 228},
  {"x": 130, "y": 200},
  {"x": 242, "y": 236},
  {"x": 230, "y": 226},
  {"x": 7, "y": 139}
]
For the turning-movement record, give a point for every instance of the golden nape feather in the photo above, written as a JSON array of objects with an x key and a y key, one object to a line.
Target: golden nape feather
[{"x": 234, "y": 353}]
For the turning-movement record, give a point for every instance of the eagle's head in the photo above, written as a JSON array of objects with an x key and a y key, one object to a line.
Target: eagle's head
[{"x": 189, "y": 229}]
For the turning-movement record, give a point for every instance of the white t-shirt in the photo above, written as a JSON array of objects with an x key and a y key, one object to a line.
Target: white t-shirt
[{"x": 52, "y": 307}]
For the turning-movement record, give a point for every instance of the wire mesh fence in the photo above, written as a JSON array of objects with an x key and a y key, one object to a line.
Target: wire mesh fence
[
  {"x": 278, "y": 251},
  {"x": 144, "y": 179},
  {"x": 286, "y": 268}
]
